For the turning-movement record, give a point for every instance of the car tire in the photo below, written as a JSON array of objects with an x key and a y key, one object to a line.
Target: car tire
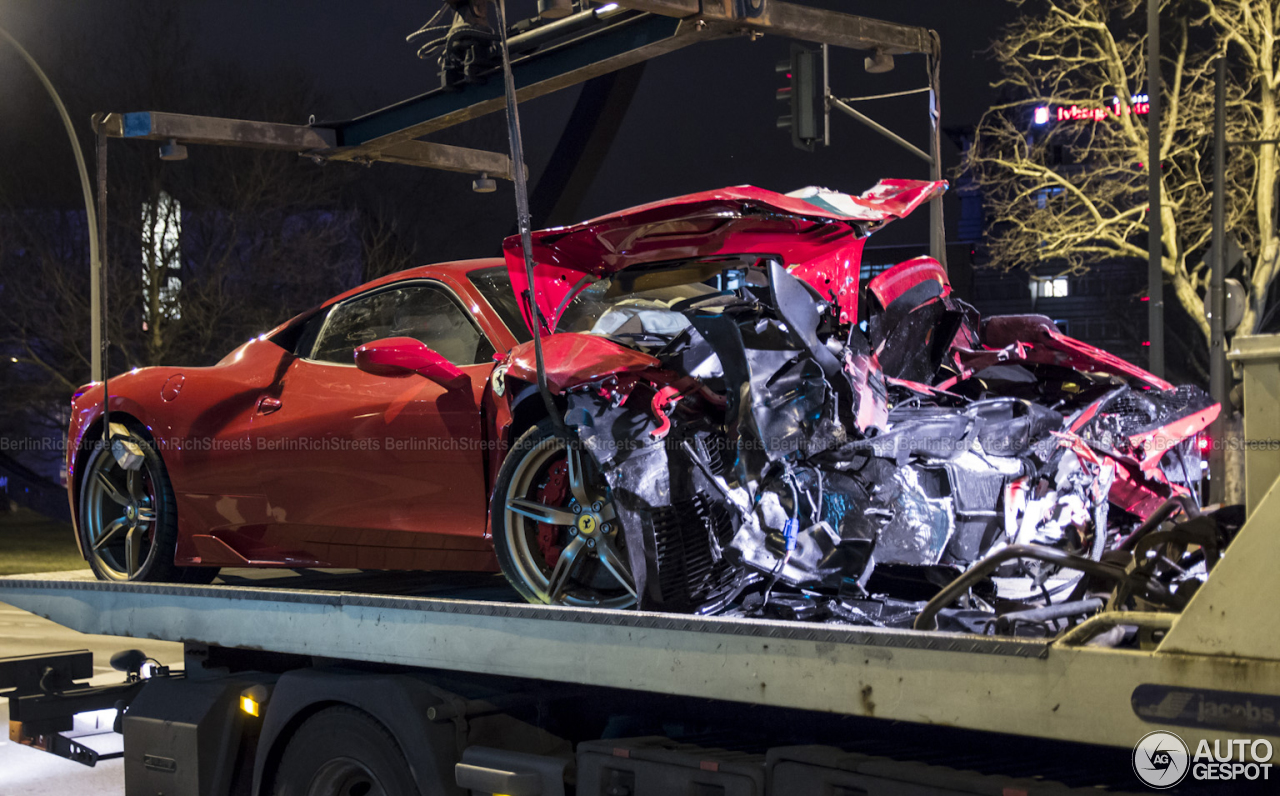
[
  {"x": 339, "y": 751},
  {"x": 582, "y": 551},
  {"x": 127, "y": 518}
]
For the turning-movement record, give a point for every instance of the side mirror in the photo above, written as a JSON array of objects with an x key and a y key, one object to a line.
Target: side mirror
[{"x": 400, "y": 356}]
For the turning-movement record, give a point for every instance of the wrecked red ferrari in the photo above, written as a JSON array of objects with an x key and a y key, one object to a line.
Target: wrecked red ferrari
[
  {"x": 729, "y": 424},
  {"x": 746, "y": 436}
]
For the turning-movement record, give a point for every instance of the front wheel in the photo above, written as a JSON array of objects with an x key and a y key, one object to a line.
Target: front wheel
[
  {"x": 555, "y": 528},
  {"x": 128, "y": 525}
]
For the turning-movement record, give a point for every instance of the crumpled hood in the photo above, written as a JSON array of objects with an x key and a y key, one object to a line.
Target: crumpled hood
[{"x": 818, "y": 233}]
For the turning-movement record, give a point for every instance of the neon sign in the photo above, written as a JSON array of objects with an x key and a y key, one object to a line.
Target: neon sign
[{"x": 1139, "y": 105}]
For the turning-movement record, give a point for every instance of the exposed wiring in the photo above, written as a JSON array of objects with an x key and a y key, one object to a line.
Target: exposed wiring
[
  {"x": 816, "y": 506},
  {"x": 773, "y": 578},
  {"x": 790, "y": 530}
]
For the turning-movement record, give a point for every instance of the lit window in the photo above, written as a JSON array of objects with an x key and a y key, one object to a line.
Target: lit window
[{"x": 1052, "y": 287}]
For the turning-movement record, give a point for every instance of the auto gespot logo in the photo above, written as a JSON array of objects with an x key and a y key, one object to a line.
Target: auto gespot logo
[{"x": 1161, "y": 760}]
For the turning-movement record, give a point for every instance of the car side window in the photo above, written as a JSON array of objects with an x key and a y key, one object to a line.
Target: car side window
[
  {"x": 422, "y": 311},
  {"x": 306, "y": 336}
]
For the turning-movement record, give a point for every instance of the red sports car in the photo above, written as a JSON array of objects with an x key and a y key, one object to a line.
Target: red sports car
[{"x": 726, "y": 414}]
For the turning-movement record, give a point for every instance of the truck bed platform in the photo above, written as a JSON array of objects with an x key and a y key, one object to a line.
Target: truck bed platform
[{"x": 1025, "y": 687}]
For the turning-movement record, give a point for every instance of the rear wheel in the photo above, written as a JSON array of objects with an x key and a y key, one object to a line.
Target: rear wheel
[
  {"x": 555, "y": 528},
  {"x": 127, "y": 522},
  {"x": 342, "y": 751}
]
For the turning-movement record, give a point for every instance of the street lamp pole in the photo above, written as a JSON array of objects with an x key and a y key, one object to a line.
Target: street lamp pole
[
  {"x": 1218, "y": 379},
  {"x": 1155, "y": 231},
  {"x": 95, "y": 280}
]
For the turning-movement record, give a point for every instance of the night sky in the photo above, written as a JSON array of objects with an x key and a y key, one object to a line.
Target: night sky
[{"x": 703, "y": 117}]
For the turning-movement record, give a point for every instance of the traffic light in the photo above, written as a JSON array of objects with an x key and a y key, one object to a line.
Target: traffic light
[{"x": 801, "y": 96}]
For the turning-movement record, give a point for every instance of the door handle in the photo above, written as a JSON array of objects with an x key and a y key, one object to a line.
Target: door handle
[{"x": 267, "y": 405}]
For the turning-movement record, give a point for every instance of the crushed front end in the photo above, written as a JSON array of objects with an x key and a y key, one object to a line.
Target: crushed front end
[{"x": 778, "y": 444}]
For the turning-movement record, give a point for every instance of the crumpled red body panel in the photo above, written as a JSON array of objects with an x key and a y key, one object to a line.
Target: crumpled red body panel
[
  {"x": 1157, "y": 441},
  {"x": 905, "y": 275},
  {"x": 1051, "y": 347},
  {"x": 572, "y": 359},
  {"x": 835, "y": 276}
]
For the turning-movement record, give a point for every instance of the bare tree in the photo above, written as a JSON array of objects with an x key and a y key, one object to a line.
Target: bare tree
[
  {"x": 1248, "y": 31},
  {"x": 1073, "y": 192}
]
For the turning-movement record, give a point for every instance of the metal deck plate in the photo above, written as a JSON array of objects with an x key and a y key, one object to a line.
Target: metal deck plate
[
  {"x": 24, "y": 591},
  {"x": 1012, "y": 686}
]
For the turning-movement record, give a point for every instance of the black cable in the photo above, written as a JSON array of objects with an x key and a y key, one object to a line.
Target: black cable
[
  {"x": 428, "y": 25},
  {"x": 1150, "y": 590},
  {"x": 789, "y": 478},
  {"x": 428, "y": 28}
]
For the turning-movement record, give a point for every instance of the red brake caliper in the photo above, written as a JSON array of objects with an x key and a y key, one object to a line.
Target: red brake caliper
[{"x": 553, "y": 493}]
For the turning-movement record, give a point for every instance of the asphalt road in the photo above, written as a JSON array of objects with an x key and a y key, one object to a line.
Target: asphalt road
[{"x": 27, "y": 772}]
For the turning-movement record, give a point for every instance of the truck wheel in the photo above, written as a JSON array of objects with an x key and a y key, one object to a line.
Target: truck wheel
[
  {"x": 128, "y": 523},
  {"x": 342, "y": 751},
  {"x": 555, "y": 529}
]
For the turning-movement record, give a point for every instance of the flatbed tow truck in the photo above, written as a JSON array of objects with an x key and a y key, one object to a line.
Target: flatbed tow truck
[
  {"x": 464, "y": 691},
  {"x": 385, "y": 683}
]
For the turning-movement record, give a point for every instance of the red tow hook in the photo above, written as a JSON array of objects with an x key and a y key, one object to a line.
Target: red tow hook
[{"x": 663, "y": 401}]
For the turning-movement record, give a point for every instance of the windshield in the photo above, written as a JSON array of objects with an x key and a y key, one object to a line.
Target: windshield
[
  {"x": 646, "y": 313},
  {"x": 650, "y": 301}
]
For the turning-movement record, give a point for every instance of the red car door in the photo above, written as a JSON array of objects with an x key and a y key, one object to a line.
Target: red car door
[{"x": 379, "y": 472}]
